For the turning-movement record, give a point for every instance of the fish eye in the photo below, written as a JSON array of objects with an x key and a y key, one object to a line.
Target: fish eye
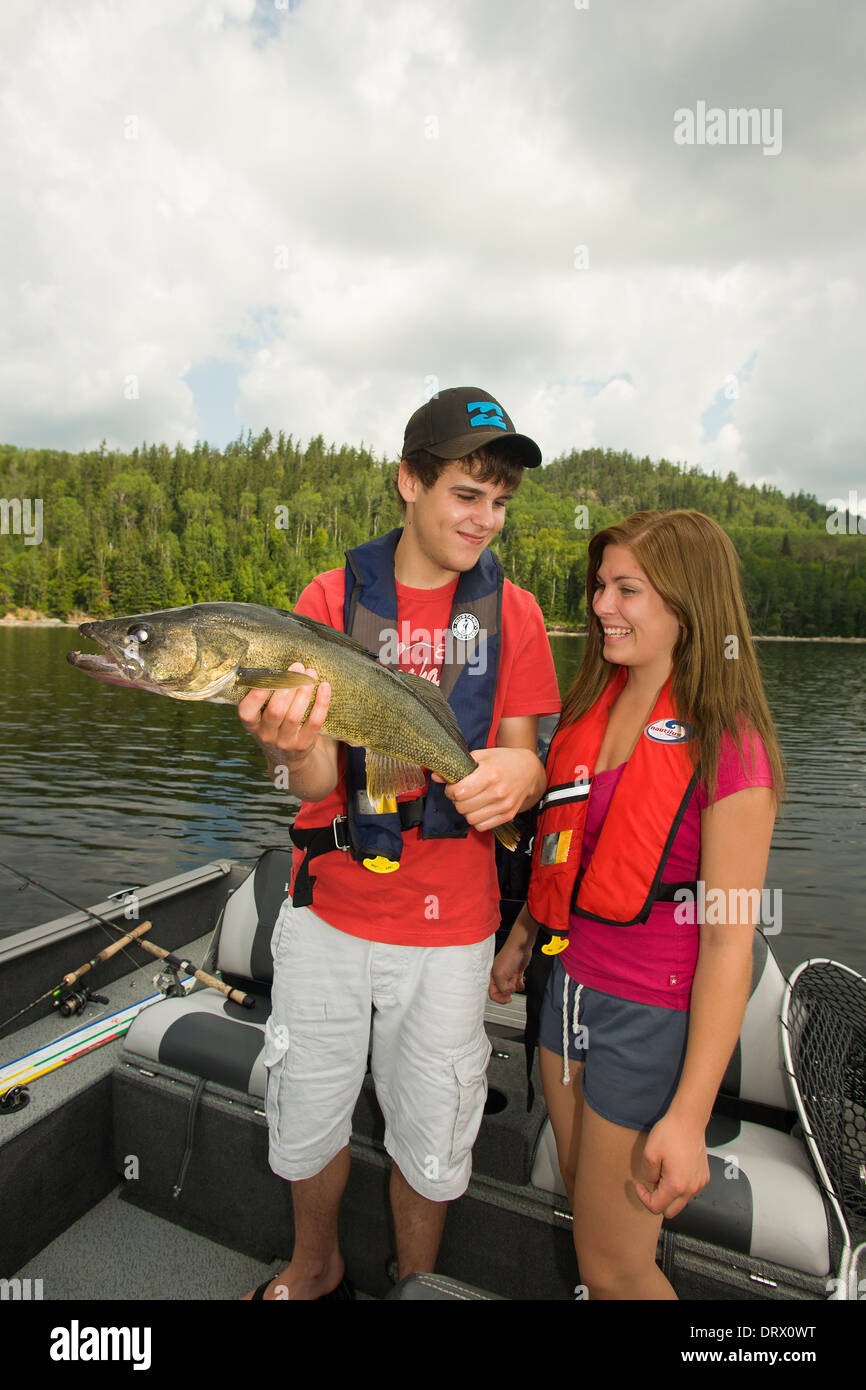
[{"x": 141, "y": 633}]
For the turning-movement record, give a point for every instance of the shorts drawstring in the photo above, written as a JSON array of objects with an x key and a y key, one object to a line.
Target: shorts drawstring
[{"x": 565, "y": 1076}]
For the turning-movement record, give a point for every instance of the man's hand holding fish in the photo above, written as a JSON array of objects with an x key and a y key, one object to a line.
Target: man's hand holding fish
[
  {"x": 288, "y": 730},
  {"x": 507, "y": 781}
]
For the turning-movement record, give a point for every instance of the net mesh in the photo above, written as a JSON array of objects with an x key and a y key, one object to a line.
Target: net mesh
[{"x": 827, "y": 1023}]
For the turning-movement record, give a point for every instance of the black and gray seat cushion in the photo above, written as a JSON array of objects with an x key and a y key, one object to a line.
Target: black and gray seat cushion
[
  {"x": 206, "y": 1033},
  {"x": 762, "y": 1199}
]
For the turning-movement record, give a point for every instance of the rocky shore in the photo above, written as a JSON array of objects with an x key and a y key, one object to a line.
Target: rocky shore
[{"x": 28, "y": 617}]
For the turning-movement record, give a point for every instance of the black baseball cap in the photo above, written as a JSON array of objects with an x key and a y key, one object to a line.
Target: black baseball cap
[{"x": 456, "y": 422}]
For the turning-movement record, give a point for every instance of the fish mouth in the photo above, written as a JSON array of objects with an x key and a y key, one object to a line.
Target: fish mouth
[
  {"x": 126, "y": 670},
  {"x": 116, "y": 667},
  {"x": 106, "y": 668}
]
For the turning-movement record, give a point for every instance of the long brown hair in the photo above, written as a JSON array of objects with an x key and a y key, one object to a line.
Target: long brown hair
[{"x": 716, "y": 683}]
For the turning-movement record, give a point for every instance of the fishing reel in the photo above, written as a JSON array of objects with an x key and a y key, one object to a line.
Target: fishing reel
[
  {"x": 73, "y": 1001},
  {"x": 169, "y": 983}
]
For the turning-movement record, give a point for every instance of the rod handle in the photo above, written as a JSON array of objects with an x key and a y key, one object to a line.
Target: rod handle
[{"x": 104, "y": 955}]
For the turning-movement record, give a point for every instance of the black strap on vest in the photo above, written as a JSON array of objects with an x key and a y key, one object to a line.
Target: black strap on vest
[
  {"x": 321, "y": 839},
  {"x": 535, "y": 978},
  {"x": 667, "y": 891}
]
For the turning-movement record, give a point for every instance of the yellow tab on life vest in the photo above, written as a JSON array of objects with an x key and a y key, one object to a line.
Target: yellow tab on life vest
[
  {"x": 385, "y": 806},
  {"x": 555, "y": 945},
  {"x": 381, "y": 865},
  {"x": 554, "y": 847}
]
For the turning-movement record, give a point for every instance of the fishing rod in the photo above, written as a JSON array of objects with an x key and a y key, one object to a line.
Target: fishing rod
[
  {"x": 75, "y": 975},
  {"x": 15, "y": 1077},
  {"x": 247, "y": 1001}
]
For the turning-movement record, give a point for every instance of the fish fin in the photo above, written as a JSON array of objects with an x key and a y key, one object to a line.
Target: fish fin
[
  {"x": 434, "y": 701},
  {"x": 388, "y": 776},
  {"x": 265, "y": 679},
  {"x": 507, "y": 835},
  {"x": 333, "y": 634}
]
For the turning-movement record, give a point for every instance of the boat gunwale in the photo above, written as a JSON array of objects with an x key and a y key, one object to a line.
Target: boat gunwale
[
  {"x": 72, "y": 924},
  {"x": 30, "y": 966}
]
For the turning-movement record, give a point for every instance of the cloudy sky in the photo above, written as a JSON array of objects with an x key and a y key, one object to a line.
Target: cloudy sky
[{"x": 309, "y": 214}]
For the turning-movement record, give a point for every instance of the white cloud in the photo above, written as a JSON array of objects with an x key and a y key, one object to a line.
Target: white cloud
[{"x": 345, "y": 200}]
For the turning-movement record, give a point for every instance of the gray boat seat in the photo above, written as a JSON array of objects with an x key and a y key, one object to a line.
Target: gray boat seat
[
  {"x": 763, "y": 1200},
  {"x": 206, "y": 1033},
  {"x": 756, "y": 1076}
]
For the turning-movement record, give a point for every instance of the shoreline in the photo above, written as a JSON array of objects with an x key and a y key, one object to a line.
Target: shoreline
[
  {"x": 10, "y": 620},
  {"x": 756, "y": 637}
]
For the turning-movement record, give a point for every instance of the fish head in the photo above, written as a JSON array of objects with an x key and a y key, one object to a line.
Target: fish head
[{"x": 188, "y": 653}]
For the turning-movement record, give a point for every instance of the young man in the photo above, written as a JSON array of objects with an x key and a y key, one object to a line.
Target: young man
[{"x": 404, "y": 918}]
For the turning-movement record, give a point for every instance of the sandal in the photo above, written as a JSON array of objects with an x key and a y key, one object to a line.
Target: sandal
[{"x": 344, "y": 1291}]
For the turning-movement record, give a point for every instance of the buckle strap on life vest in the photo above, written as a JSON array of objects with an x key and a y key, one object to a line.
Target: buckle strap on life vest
[{"x": 325, "y": 838}]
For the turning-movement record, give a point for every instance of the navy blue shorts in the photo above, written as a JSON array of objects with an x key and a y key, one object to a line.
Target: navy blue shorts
[{"x": 634, "y": 1053}]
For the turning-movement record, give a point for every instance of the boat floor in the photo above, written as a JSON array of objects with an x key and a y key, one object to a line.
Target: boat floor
[{"x": 169, "y": 1262}]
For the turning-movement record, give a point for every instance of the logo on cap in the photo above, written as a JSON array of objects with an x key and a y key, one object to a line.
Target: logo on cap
[{"x": 486, "y": 413}]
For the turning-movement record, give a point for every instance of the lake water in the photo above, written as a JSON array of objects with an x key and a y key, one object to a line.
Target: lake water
[{"x": 103, "y": 789}]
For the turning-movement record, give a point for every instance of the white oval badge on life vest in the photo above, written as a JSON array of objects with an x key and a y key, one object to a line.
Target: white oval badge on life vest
[
  {"x": 668, "y": 731},
  {"x": 465, "y": 626}
]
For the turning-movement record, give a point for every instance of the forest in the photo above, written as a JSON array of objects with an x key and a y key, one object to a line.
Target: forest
[{"x": 157, "y": 528}]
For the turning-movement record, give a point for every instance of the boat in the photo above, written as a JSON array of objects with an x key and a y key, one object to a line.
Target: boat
[{"x": 156, "y": 1140}]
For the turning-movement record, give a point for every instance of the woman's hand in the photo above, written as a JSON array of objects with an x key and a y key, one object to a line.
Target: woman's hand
[
  {"x": 507, "y": 971},
  {"x": 511, "y": 963},
  {"x": 674, "y": 1165}
]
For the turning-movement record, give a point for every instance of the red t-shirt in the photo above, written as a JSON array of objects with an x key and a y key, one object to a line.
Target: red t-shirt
[
  {"x": 654, "y": 962},
  {"x": 445, "y": 892}
]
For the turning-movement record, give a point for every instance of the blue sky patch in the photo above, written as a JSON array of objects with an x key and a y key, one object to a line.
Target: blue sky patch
[{"x": 214, "y": 385}]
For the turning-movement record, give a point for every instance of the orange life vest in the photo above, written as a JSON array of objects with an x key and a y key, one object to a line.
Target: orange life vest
[{"x": 623, "y": 878}]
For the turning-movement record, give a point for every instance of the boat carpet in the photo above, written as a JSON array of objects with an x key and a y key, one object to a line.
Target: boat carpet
[{"x": 162, "y": 1261}]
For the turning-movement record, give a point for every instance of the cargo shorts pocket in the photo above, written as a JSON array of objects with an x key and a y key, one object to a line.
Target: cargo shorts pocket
[
  {"x": 276, "y": 1053},
  {"x": 470, "y": 1071}
]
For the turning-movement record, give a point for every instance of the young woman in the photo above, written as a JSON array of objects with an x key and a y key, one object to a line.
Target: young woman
[{"x": 652, "y": 845}]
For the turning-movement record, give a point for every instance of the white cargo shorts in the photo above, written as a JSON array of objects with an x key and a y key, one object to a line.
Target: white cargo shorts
[{"x": 429, "y": 1050}]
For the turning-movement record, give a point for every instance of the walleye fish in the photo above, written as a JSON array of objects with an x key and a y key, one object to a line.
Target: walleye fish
[{"x": 219, "y": 651}]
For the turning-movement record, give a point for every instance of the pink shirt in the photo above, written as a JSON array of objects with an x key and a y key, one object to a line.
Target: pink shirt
[{"x": 654, "y": 962}]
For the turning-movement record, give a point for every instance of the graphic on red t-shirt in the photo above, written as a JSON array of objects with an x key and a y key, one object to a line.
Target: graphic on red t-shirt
[{"x": 421, "y": 642}]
